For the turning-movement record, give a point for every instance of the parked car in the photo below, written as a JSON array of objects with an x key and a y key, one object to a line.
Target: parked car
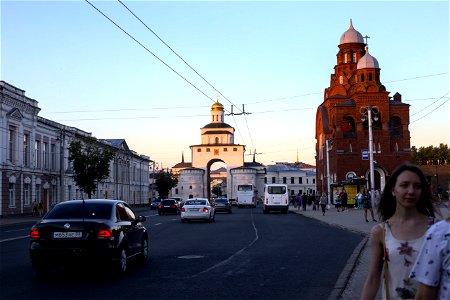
[
  {"x": 222, "y": 204},
  {"x": 97, "y": 232},
  {"x": 197, "y": 209},
  {"x": 170, "y": 206},
  {"x": 155, "y": 203}
]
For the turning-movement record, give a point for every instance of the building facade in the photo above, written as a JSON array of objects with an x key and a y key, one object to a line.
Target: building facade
[
  {"x": 34, "y": 163},
  {"x": 342, "y": 120}
]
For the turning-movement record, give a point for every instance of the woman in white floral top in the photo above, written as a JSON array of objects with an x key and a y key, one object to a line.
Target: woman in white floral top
[
  {"x": 432, "y": 267},
  {"x": 406, "y": 210}
]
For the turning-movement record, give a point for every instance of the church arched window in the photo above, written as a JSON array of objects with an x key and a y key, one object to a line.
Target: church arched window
[
  {"x": 370, "y": 76},
  {"x": 348, "y": 127},
  {"x": 362, "y": 77},
  {"x": 395, "y": 126}
]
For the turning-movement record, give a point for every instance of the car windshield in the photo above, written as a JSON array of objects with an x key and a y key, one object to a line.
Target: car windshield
[
  {"x": 81, "y": 210},
  {"x": 221, "y": 200},
  {"x": 195, "y": 202},
  {"x": 168, "y": 202}
]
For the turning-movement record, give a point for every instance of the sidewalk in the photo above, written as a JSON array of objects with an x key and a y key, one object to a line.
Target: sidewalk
[{"x": 351, "y": 281}]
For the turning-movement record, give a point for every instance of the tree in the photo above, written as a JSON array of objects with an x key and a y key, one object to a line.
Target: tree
[
  {"x": 431, "y": 155},
  {"x": 164, "y": 182},
  {"x": 90, "y": 164}
]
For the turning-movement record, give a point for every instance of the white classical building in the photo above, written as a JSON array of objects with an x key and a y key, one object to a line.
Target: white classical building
[
  {"x": 34, "y": 163},
  {"x": 218, "y": 145}
]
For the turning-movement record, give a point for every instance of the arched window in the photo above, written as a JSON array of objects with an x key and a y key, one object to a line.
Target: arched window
[
  {"x": 362, "y": 77},
  {"x": 348, "y": 127},
  {"x": 217, "y": 140},
  {"x": 395, "y": 126},
  {"x": 354, "y": 57},
  {"x": 370, "y": 76}
]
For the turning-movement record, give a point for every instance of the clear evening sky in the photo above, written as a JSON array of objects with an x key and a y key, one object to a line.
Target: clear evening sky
[{"x": 274, "y": 57}]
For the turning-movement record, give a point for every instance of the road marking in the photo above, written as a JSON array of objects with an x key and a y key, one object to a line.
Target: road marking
[
  {"x": 23, "y": 229},
  {"x": 157, "y": 224},
  {"x": 192, "y": 256},
  {"x": 13, "y": 239}
]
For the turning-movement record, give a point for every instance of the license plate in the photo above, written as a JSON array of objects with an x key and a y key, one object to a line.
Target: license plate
[
  {"x": 194, "y": 209},
  {"x": 67, "y": 235},
  {"x": 276, "y": 203}
]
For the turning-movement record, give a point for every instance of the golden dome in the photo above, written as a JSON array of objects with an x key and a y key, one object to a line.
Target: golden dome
[{"x": 217, "y": 106}]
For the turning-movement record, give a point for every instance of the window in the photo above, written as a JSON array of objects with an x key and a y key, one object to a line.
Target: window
[
  {"x": 341, "y": 80},
  {"x": 26, "y": 194},
  {"x": 216, "y": 140},
  {"x": 345, "y": 58},
  {"x": 225, "y": 149},
  {"x": 307, "y": 181},
  {"x": 12, "y": 194},
  {"x": 370, "y": 76},
  {"x": 362, "y": 77},
  {"x": 292, "y": 180},
  {"x": 45, "y": 155},
  {"x": 53, "y": 155},
  {"x": 273, "y": 180},
  {"x": 69, "y": 192},
  {"x": 395, "y": 127},
  {"x": 314, "y": 181},
  {"x": 234, "y": 149},
  {"x": 190, "y": 187},
  {"x": 11, "y": 144},
  {"x": 265, "y": 179},
  {"x": 37, "y": 154},
  {"x": 300, "y": 180},
  {"x": 199, "y": 150},
  {"x": 26, "y": 150},
  {"x": 284, "y": 179},
  {"x": 208, "y": 150},
  {"x": 354, "y": 57},
  {"x": 348, "y": 127}
]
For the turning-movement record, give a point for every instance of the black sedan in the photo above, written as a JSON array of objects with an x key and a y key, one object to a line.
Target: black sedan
[
  {"x": 105, "y": 233},
  {"x": 170, "y": 206},
  {"x": 222, "y": 204}
]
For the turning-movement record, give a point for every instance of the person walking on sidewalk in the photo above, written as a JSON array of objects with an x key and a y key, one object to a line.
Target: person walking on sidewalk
[
  {"x": 367, "y": 205},
  {"x": 406, "y": 210},
  {"x": 304, "y": 201},
  {"x": 432, "y": 267},
  {"x": 298, "y": 200},
  {"x": 343, "y": 197},
  {"x": 323, "y": 202}
]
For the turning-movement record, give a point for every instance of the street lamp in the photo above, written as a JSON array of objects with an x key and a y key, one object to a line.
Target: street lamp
[{"x": 370, "y": 113}]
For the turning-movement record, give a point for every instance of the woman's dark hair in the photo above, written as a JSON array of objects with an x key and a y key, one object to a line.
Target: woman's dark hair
[{"x": 388, "y": 203}]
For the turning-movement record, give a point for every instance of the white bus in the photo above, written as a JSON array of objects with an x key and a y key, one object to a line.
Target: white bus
[
  {"x": 246, "y": 195},
  {"x": 276, "y": 197}
]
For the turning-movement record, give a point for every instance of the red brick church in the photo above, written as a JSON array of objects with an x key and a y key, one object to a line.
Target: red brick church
[{"x": 342, "y": 120}]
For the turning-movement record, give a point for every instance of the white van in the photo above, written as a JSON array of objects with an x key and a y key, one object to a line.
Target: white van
[{"x": 276, "y": 198}]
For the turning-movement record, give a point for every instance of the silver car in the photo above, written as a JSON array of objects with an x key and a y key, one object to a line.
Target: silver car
[{"x": 197, "y": 209}]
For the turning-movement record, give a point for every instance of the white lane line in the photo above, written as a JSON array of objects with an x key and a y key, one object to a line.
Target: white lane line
[
  {"x": 157, "y": 224},
  {"x": 224, "y": 262},
  {"x": 13, "y": 239}
]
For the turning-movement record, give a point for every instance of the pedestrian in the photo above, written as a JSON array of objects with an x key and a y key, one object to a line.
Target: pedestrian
[
  {"x": 432, "y": 267},
  {"x": 344, "y": 197},
  {"x": 337, "y": 203},
  {"x": 359, "y": 199},
  {"x": 377, "y": 198},
  {"x": 323, "y": 202},
  {"x": 367, "y": 205},
  {"x": 34, "y": 211},
  {"x": 406, "y": 210},
  {"x": 298, "y": 200},
  {"x": 304, "y": 201},
  {"x": 316, "y": 202},
  {"x": 41, "y": 208}
]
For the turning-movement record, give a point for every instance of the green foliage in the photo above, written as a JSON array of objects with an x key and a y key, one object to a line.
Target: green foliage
[
  {"x": 431, "y": 155},
  {"x": 164, "y": 182},
  {"x": 90, "y": 164}
]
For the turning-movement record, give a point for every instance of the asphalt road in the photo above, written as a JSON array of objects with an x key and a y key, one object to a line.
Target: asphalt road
[{"x": 244, "y": 255}]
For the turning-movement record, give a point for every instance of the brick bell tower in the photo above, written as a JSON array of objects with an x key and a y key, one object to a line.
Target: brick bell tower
[{"x": 341, "y": 120}]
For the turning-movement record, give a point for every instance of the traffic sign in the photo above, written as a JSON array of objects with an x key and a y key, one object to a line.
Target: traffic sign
[{"x": 365, "y": 154}]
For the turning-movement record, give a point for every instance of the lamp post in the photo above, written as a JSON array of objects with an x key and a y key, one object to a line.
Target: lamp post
[{"x": 370, "y": 113}]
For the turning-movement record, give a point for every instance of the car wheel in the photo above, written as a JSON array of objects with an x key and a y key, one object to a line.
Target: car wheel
[
  {"x": 120, "y": 265},
  {"x": 144, "y": 251}
]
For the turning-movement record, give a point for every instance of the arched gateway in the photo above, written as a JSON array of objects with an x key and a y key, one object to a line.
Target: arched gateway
[{"x": 217, "y": 145}]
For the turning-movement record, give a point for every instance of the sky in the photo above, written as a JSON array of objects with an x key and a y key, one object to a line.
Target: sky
[{"x": 273, "y": 58}]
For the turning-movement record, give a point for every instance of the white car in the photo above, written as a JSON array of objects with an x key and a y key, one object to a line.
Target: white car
[{"x": 197, "y": 209}]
